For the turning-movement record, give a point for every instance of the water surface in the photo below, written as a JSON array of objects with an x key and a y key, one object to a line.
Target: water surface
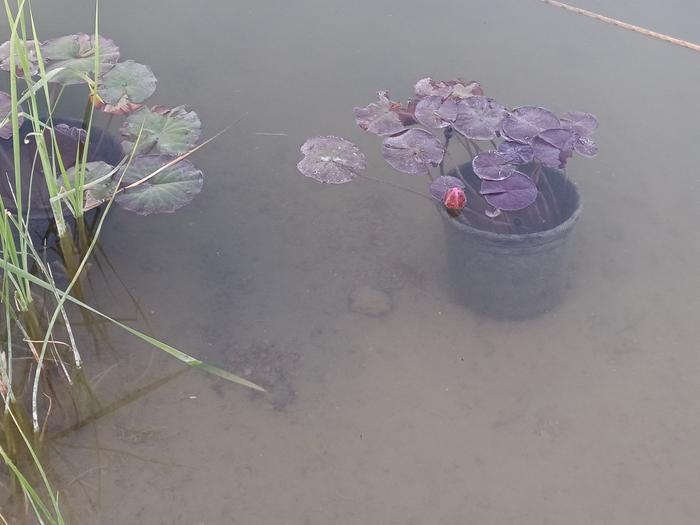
[{"x": 430, "y": 414}]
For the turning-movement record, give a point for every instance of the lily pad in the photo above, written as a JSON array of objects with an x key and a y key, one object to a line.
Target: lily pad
[
  {"x": 427, "y": 112},
  {"x": 165, "y": 130},
  {"x": 31, "y": 57},
  {"x": 492, "y": 165},
  {"x": 171, "y": 189},
  {"x": 438, "y": 188},
  {"x": 516, "y": 152},
  {"x": 427, "y": 87},
  {"x": 582, "y": 125},
  {"x": 380, "y": 117},
  {"x": 553, "y": 147},
  {"x": 523, "y": 123},
  {"x": 95, "y": 195},
  {"x": 331, "y": 160},
  {"x": 514, "y": 193},
  {"x": 76, "y": 54},
  {"x": 464, "y": 89},
  {"x": 413, "y": 151},
  {"x": 479, "y": 118},
  {"x": 5, "y": 110},
  {"x": 125, "y": 86}
]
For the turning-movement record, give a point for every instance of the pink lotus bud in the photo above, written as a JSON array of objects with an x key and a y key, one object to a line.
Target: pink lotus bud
[{"x": 455, "y": 200}]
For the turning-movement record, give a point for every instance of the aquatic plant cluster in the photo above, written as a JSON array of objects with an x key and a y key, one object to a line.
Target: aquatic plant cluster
[
  {"x": 158, "y": 179},
  {"x": 53, "y": 171},
  {"x": 523, "y": 141}
]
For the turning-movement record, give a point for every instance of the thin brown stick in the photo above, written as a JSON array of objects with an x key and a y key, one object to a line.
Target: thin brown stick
[{"x": 624, "y": 25}]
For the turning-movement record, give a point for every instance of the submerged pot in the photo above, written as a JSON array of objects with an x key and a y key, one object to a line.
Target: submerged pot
[
  {"x": 103, "y": 147},
  {"x": 513, "y": 275}
]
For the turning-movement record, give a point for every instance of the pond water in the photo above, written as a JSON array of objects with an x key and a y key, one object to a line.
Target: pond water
[{"x": 429, "y": 414}]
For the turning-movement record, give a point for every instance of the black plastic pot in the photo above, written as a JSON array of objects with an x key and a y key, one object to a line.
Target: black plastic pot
[
  {"x": 514, "y": 275},
  {"x": 103, "y": 147}
]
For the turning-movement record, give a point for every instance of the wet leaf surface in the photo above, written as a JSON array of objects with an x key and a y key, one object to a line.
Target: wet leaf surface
[
  {"x": 380, "y": 117},
  {"x": 553, "y": 147},
  {"x": 414, "y": 151},
  {"x": 492, "y": 165},
  {"x": 479, "y": 118},
  {"x": 332, "y": 160},
  {"x": 165, "y": 130},
  {"x": 171, "y": 189},
  {"x": 514, "y": 193},
  {"x": 76, "y": 54},
  {"x": 125, "y": 86}
]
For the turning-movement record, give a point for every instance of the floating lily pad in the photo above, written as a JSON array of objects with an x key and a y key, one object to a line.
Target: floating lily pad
[
  {"x": 31, "y": 57},
  {"x": 582, "y": 125},
  {"x": 514, "y": 193},
  {"x": 553, "y": 147},
  {"x": 464, "y": 89},
  {"x": 331, "y": 160},
  {"x": 167, "y": 131},
  {"x": 413, "y": 151},
  {"x": 427, "y": 112},
  {"x": 479, "y": 118},
  {"x": 427, "y": 87},
  {"x": 438, "y": 188},
  {"x": 380, "y": 117},
  {"x": 523, "y": 123},
  {"x": 76, "y": 53},
  {"x": 171, "y": 189},
  {"x": 516, "y": 152},
  {"x": 586, "y": 146},
  {"x": 5, "y": 110},
  {"x": 125, "y": 86},
  {"x": 492, "y": 165},
  {"x": 95, "y": 195}
]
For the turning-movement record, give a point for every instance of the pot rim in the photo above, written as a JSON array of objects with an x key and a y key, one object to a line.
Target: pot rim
[{"x": 541, "y": 237}]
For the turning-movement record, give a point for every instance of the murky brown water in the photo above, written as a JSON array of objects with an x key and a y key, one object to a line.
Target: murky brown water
[{"x": 429, "y": 415}]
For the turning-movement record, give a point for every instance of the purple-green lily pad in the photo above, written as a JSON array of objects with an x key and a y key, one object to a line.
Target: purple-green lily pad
[
  {"x": 332, "y": 160},
  {"x": 94, "y": 171},
  {"x": 523, "y": 123},
  {"x": 380, "y": 117},
  {"x": 492, "y": 165},
  {"x": 125, "y": 86},
  {"x": 553, "y": 147},
  {"x": 516, "y": 152},
  {"x": 413, "y": 151},
  {"x": 479, "y": 118},
  {"x": 458, "y": 89},
  {"x": 170, "y": 131},
  {"x": 167, "y": 191},
  {"x": 582, "y": 125},
  {"x": 76, "y": 55},
  {"x": 31, "y": 58},
  {"x": 427, "y": 112},
  {"x": 512, "y": 194}
]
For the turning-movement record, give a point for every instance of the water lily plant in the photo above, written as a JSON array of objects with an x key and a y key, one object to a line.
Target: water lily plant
[
  {"x": 153, "y": 175},
  {"x": 505, "y": 185}
]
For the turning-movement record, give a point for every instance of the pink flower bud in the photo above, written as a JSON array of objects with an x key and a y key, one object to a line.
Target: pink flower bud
[{"x": 455, "y": 200}]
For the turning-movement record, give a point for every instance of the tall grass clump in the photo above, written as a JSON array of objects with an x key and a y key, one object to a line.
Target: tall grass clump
[{"x": 56, "y": 173}]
